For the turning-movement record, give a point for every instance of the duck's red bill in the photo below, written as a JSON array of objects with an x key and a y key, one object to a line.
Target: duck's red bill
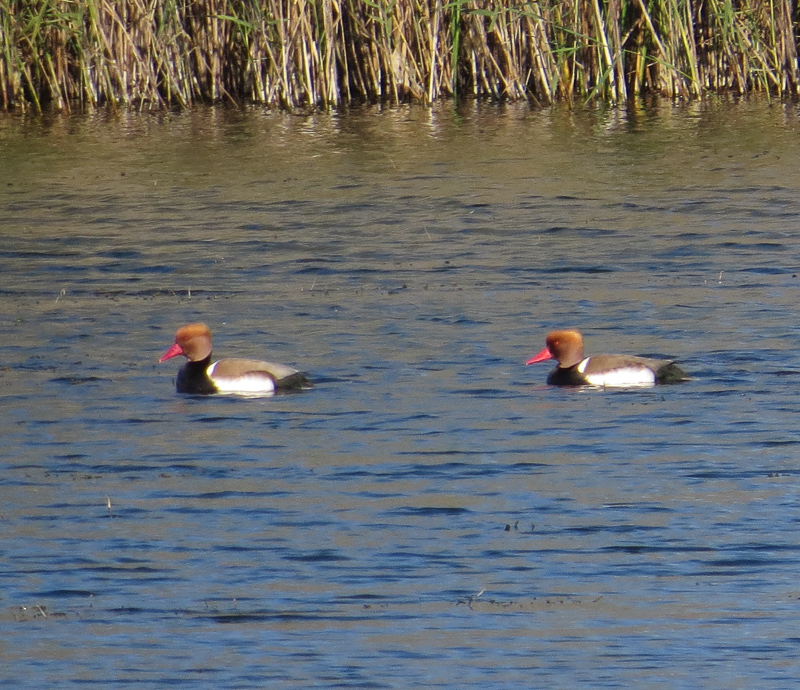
[
  {"x": 174, "y": 351},
  {"x": 540, "y": 357}
]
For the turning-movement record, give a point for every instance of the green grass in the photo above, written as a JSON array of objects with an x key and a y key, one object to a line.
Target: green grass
[{"x": 327, "y": 53}]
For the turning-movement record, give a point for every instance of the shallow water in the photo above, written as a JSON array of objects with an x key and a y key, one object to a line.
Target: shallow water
[{"x": 431, "y": 514}]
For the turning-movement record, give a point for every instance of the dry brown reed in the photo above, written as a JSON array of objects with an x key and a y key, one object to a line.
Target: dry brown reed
[{"x": 325, "y": 53}]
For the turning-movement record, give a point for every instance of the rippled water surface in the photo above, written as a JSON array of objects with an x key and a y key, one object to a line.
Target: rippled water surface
[{"x": 431, "y": 514}]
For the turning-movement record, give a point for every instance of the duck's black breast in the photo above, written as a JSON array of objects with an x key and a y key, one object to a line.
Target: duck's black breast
[
  {"x": 193, "y": 378},
  {"x": 566, "y": 376}
]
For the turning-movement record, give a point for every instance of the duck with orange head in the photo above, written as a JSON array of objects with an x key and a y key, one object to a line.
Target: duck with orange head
[
  {"x": 615, "y": 371},
  {"x": 199, "y": 376}
]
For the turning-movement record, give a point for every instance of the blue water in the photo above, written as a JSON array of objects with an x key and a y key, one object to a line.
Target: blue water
[{"x": 431, "y": 514}]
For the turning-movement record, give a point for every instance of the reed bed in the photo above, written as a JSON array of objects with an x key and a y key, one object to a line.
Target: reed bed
[{"x": 327, "y": 53}]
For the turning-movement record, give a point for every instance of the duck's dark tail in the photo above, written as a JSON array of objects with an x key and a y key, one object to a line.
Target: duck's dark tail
[
  {"x": 295, "y": 382},
  {"x": 671, "y": 373}
]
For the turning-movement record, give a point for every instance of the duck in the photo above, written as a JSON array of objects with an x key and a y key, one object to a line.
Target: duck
[
  {"x": 617, "y": 371},
  {"x": 234, "y": 376}
]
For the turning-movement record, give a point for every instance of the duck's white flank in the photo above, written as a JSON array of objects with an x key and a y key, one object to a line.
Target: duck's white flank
[
  {"x": 619, "y": 378},
  {"x": 255, "y": 383}
]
